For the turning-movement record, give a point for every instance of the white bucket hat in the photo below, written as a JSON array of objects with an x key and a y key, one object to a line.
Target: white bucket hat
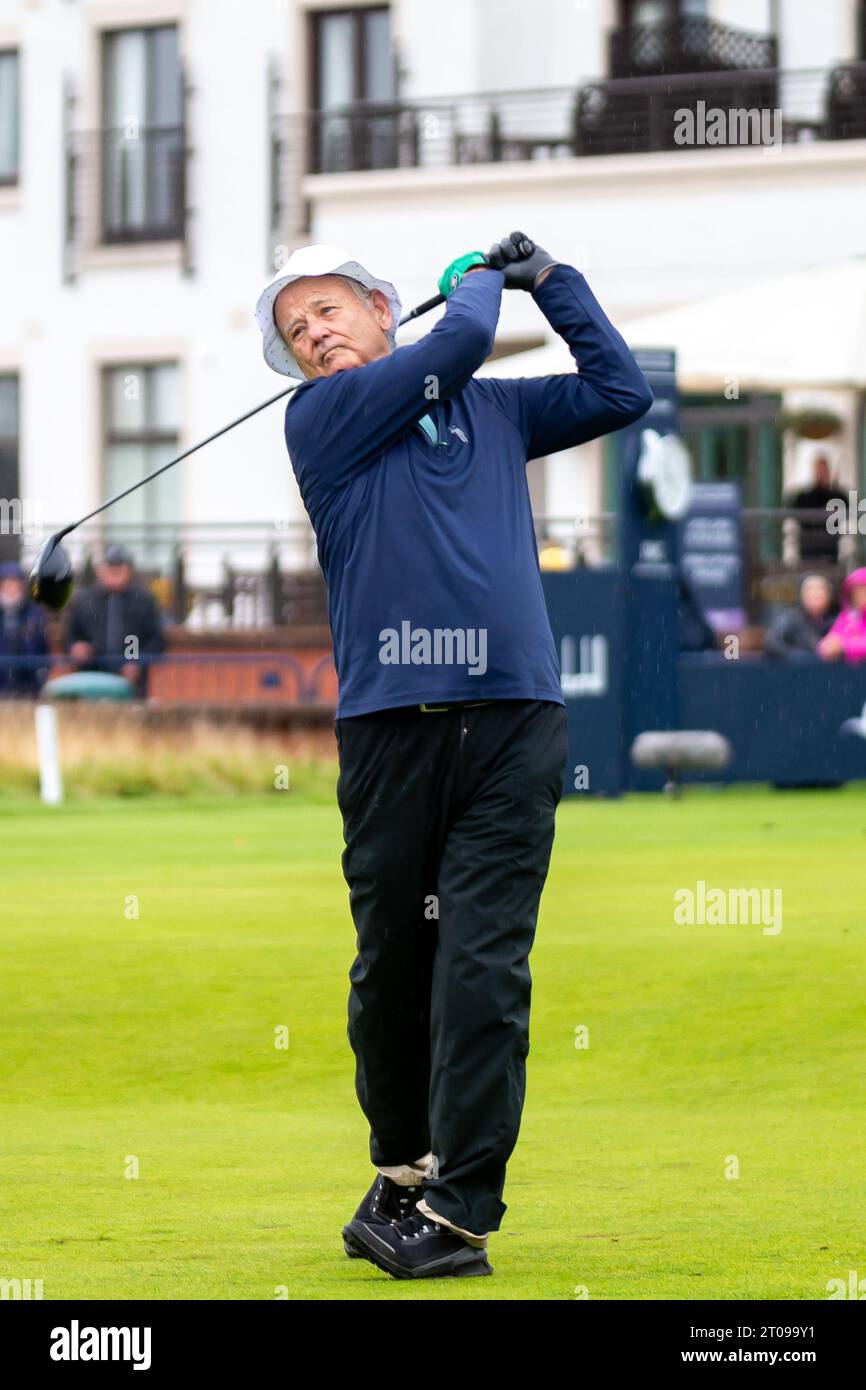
[{"x": 313, "y": 260}]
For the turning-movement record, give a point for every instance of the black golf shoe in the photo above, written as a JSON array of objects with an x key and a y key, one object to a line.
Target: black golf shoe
[
  {"x": 416, "y": 1248},
  {"x": 385, "y": 1203}
]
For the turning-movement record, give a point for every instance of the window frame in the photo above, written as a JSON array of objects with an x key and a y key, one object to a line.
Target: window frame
[
  {"x": 14, "y": 179},
  {"x": 674, "y": 12},
  {"x": 10, "y": 450},
  {"x": 130, "y": 234},
  {"x": 317, "y": 18},
  {"x": 147, "y": 438}
]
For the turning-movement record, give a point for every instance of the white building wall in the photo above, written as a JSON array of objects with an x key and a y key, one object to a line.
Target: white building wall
[
  {"x": 752, "y": 15},
  {"x": 553, "y": 44},
  {"x": 438, "y": 51},
  {"x": 816, "y": 35},
  {"x": 650, "y": 231},
  {"x": 136, "y": 304}
]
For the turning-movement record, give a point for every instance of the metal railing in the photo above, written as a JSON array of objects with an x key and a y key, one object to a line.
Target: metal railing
[
  {"x": 618, "y": 115},
  {"x": 124, "y": 190},
  {"x": 688, "y": 43},
  {"x": 774, "y": 555},
  {"x": 642, "y": 114},
  {"x": 242, "y": 576},
  {"x": 143, "y": 184},
  {"x": 783, "y": 544},
  {"x": 130, "y": 186},
  {"x": 212, "y": 575},
  {"x": 780, "y": 545},
  {"x": 437, "y": 131},
  {"x": 569, "y": 542}
]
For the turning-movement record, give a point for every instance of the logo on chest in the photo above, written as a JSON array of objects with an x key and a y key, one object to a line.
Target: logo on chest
[{"x": 455, "y": 429}]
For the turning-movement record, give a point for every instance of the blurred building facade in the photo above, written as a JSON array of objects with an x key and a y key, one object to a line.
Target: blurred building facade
[{"x": 159, "y": 158}]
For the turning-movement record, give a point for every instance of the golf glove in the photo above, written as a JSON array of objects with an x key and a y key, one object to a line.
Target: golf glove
[
  {"x": 520, "y": 260},
  {"x": 453, "y": 274}
]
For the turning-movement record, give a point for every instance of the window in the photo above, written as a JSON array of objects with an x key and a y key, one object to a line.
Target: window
[
  {"x": 8, "y": 117},
  {"x": 142, "y": 425},
  {"x": 352, "y": 63},
  {"x": 9, "y": 538},
  {"x": 662, "y": 11},
  {"x": 143, "y": 186},
  {"x": 669, "y": 36},
  {"x": 648, "y": 12},
  {"x": 736, "y": 443}
]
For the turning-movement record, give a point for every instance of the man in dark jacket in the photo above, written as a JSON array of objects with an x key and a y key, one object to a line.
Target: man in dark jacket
[
  {"x": 23, "y": 639},
  {"x": 115, "y": 624},
  {"x": 817, "y": 540},
  {"x": 797, "y": 632},
  {"x": 450, "y": 724}
]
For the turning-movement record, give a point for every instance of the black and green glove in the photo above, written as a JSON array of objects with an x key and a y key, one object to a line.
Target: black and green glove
[
  {"x": 453, "y": 274},
  {"x": 520, "y": 260}
]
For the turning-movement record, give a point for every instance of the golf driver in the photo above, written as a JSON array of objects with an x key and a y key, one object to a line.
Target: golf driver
[{"x": 51, "y": 576}]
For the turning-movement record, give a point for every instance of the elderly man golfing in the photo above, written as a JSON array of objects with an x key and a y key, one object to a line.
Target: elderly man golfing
[{"x": 450, "y": 724}]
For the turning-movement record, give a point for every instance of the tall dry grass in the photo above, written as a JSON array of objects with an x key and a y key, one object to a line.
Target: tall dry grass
[{"x": 118, "y": 750}]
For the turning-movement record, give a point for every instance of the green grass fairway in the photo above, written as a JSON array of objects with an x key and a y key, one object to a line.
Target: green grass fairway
[{"x": 153, "y": 1040}]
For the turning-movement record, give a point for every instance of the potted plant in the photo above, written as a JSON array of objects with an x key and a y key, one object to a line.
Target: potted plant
[{"x": 810, "y": 421}]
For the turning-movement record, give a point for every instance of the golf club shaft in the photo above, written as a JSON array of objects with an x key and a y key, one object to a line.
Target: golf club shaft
[
  {"x": 149, "y": 477},
  {"x": 422, "y": 308}
]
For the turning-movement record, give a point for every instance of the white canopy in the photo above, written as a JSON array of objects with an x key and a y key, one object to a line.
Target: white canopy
[{"x": 802, "y": 329}]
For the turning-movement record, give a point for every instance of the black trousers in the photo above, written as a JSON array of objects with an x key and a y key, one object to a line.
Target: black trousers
[{"x": 448, "y": 820}]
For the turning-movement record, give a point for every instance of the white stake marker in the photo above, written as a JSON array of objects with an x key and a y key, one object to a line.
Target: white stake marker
[{"x": 48, "y": 747}]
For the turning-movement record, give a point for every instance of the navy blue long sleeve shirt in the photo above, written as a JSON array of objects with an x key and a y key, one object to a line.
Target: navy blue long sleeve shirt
[{"x": 428, "y": 548}]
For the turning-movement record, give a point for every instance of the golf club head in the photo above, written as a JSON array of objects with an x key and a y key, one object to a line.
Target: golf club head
[{"x": 51, "y": 576}]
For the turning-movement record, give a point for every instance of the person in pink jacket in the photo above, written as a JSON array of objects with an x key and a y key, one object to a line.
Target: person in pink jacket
[{"x": 846, "y": 640}]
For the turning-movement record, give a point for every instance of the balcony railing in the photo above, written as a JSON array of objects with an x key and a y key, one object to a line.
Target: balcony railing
[
  {"x": 124, "y": 189},
  {"x": 780, "y": 545},
  {"x": 640, "y": 115},
  {"x": 609, "y": 116},
  {"x": 143, "y": 184},
  {"x": 690, "y": 43},
  {"x": 213, "y": 575},
  {"x": 219, "y": 576},
  {"x": 439, "y": 131},
  {"x": 385, "y": 137}
]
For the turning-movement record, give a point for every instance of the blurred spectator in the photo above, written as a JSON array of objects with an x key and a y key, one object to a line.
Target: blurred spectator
[
  {"x": 22, "y": 634},
  {"x": 816, "y": 542},
  {"x": 798, "y": 631},
  {"x": 846, "y": 639},
  {"x": 114, "y": 623}
]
